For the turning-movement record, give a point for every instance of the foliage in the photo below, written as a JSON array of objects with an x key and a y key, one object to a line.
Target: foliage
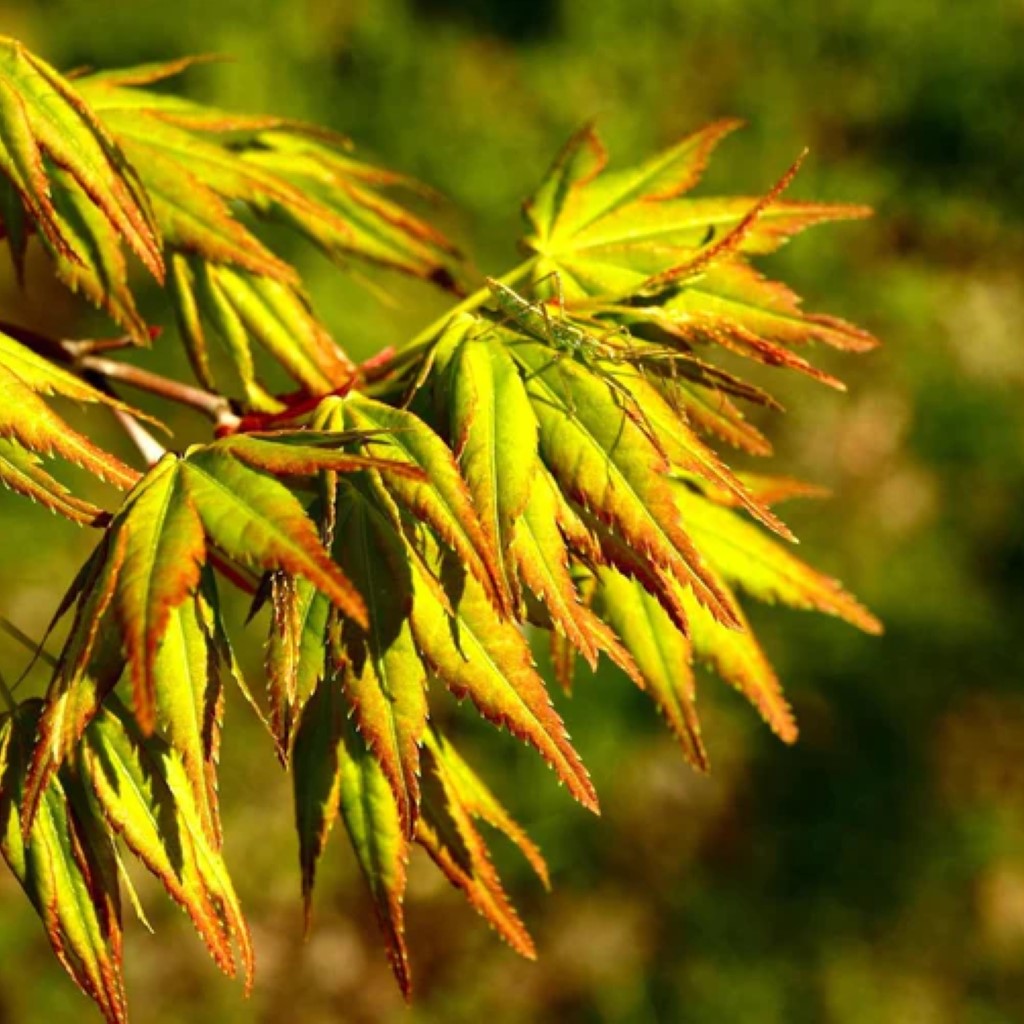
[{"x": 540, "y": 456}]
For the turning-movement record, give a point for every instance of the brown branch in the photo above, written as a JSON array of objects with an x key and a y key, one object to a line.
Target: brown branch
[
  {"x": 216, "y": 407},
  {"x": 91, "y": 346},
  {"x": 85, "y": 357}
]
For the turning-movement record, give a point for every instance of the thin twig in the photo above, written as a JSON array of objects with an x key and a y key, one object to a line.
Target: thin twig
[
  {"x": 38, "y": 651},
  {"x": 216, "y": 407},
  {"x": 79, "y": 349},
  {"x": 8, "y": 696},
  {"x": 86, "y": 357},
  {"x": 149, "y": 447}
]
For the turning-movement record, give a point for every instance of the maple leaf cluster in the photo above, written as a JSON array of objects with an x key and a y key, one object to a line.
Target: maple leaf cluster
[{"x": 538, "y": 460}]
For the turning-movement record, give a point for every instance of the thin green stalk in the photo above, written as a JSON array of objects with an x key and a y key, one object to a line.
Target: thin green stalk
[
  {"x": 470, "y": 303},
  {"x": 8, "y": 696}
]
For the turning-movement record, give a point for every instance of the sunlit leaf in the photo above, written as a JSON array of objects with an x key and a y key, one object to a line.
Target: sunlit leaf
[
  {"x": 22, "y": 472},
  {"x": 662, "y": 655},
  {"x": 384, "y": 678},
  {"x": 142, "y": 785},
  {"x": 606, "y": 233},
  {"x": 45, "y": 123},
  {"x": 747, "y": 558},
  {"x": 242, "y": 308},
  {"x": 605, "y": 460},
  {"x": 374, "y": 825},
  {"x": 67, "y": 867},
  {"x": 453, "y": 797},
  {"x": 25, "y": 378},
  {"x": 149, "y": 565},
  {"x": 543, "y": 561},
  {"x": 489, "y": 661},
  {"x": 203, "y": 168},
  {"x": 296, "y": 650},
  {"x": 438, "y": 495},
  {"x": 495, "y": 437}
]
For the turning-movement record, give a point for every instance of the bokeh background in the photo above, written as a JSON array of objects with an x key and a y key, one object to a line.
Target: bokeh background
[{"x": 873, "y": 873}]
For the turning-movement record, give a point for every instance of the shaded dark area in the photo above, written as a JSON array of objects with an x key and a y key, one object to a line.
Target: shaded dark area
[{"x": 521, "y": 21}]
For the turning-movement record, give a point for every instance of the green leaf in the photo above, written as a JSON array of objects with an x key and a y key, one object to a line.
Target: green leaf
[
  {"x": 603, "y": 459},
  {"x": 28, "y": 420},
  {"x": 257, "y": 521},
  {"x": 384, "y": 679},
  {"x": 738, "y": 659},
  {"x": 564, "y": 206},
  {"x": 222, "y": 495},
  {"x": 633, "y": 255},
  {"x": 67, "y": 867},
  {"x": 375, "y": 827},
  {"x": 294, "y": 173},
  {"x": 543, "y": 561},
  {"x": 44, "y": 122},
  {"x": 488, "y": 660},
  {"x": 347, "y": 217},
  {"x": 733, "y": 301},
  {"x": 453, "y": 796},
  {"x": 688, "y": 455},
  {"x": 204, "y": 169},
  {"x": 661, "y": 652},
  {"x": 295, "y": 651},
  {"x": 142, "y": 785},
  {"x": 747, "y": 558},
  {"x": 90, "y": 664},
  {"x": 195, "y": 218},
  {"x": 96, "y": 266},
  {"x": 713, "y": 412},
  {"x": 606, "y": 234},
  {"x": 495, "y": 438},
  {"x": 579, "y": 162},
  {"x": 189, "y": 711},
  {"x": 439, "y": 496},
  {"x": 164, "y": 550},
  {"x": 243, "y": 308},
  {"x": 22, "y": 472},
  {"x": 316, "y": 777},
  {"x": 481, "y": 803}
]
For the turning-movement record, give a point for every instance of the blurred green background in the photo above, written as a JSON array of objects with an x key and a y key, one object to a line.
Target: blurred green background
[{"x": 874, "y": 873}]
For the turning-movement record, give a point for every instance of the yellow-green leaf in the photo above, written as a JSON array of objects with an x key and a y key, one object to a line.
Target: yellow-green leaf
[
  {"x": 44, "y": 121},
  {"x": 67, "y": 867},
  {"x": 378, "y": 837},
  {"x": 495, "y": 438},
  {"x": 142, "y": 785},
  {"x": 22, "y": 472},
  {"x": 747, "y": 558},
  {"x": 488, "y": 660},
  {"x": 384, "y": 678},
  {"x": 27, "y": 419},
  {"x": 661, "y": 652},
  {"x": 440, "y": 496},
  {"x": 448, "y": 833},
  {"x": 606, "y": 461}
]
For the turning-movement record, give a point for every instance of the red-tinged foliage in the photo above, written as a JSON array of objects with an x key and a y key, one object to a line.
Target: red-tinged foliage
[{"x": 543, "y": 457}]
